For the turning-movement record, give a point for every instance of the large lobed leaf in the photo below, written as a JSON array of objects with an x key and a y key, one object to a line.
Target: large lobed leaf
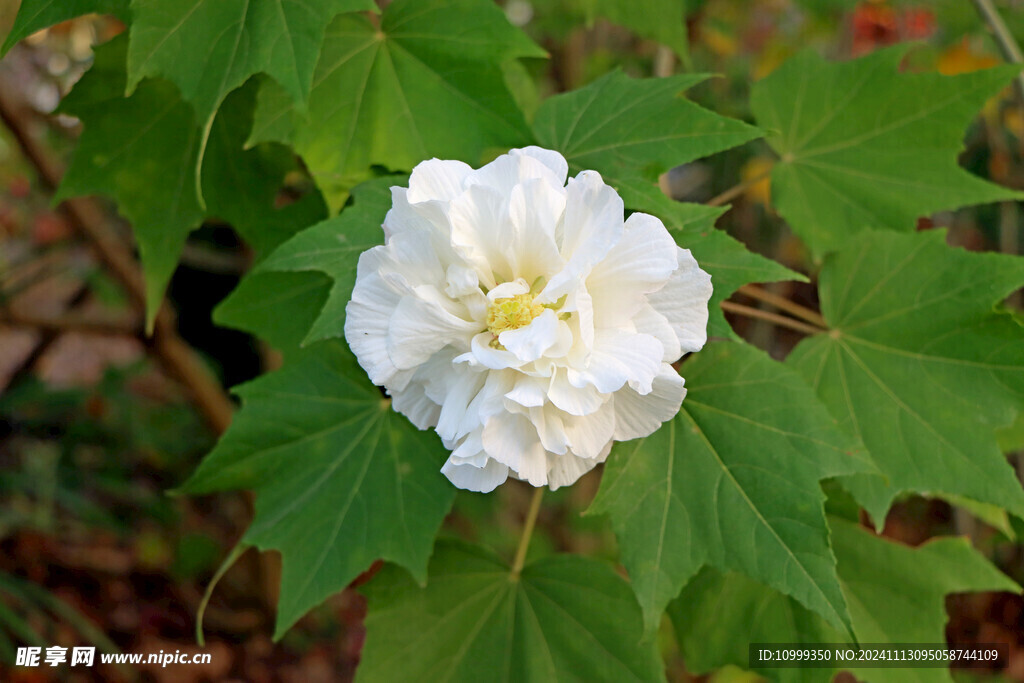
[
  {"x": 920, "y": 365},
  {"x": 142, "y": 151},
  {"x": 333, "y": 247},
  {"x": 340, "y": 479},
  {"x": 630, "y": 128},
  {"x": 864, "y": 146},
  {"x": 896, "y": 594},
  {"x": 210, "y": 47},
  {"x": 426, "y": 82},
  {"x": 731, "y": 481},
  {"x": 564, "y": 618}
]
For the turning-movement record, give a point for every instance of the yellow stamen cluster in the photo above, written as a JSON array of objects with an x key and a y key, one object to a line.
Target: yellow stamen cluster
[{"x": 511, "y": 313}]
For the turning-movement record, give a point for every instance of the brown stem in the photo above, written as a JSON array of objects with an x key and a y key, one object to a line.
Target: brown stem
[
  {"x": 782, "y": 321},
  {"x": 177, "y": 357},
  {"x": 737, "y": 189},
  {"x": 784, "y": 304},
  {"x": 71, "y": 322}
]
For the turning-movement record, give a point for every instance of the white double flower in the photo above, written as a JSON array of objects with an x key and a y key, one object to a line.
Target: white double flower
[{"x": 523, "y": 318}]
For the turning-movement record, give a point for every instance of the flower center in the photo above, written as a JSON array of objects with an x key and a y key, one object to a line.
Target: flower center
[{"x": 511, "y": 313}]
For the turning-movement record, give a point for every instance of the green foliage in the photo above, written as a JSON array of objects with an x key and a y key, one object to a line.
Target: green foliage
[
  {"x": 661, "y": 20},
  {"x": 696, "y": 493},
  {"x": 429, "y": 75},
  {"x": 340, "y": 478},
  {"x": 564, "y": 618},
  {"x": 863, "y": 146},
  {"x": 896, "y": 595},
  {"x": 629, "y": 128},
  {"x": 920, "y": 365},
  {"x": 333, "y": 247},
  {"x": 206, "y": 107},
  {"x": 210, "y": 47}
]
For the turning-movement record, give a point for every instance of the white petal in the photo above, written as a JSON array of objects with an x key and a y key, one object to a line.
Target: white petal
[
  {"x": 482, "y": 231},
  {"x": 529, "y": 343},
  {"x": 589, "y": 435},
  {"x": 550, "y": 429},
  {"x": 640, "y": 263},
  {"x": 684, "y": 302},
  {"x": 637, "y": 416},
  {"x": 437, "y": 179},
  {"x": 512, "y": 440},
  {"x": 528, "y": 391},
  {"x": 488, "y": 402},
  {"x": 421, "y": 326},
  {"x": 461, "y": 281},
  {"x": 481, "y": 353},
  {"x": 564, "y": 470},
  {"x": 535, "y": 209},
  {"x": 508, "y": 289},
  {"x": 463, "y": 386},
  {"x": 619, "y": 357},
  {"x": 518, "y": 165},
  {"x": 483, "y": 479},
  {"x": 592, "y": 226},
  {"x": 649, "y": 321},
  {"x": 415, "y": 405},
  {"x": 574, "y": 400},
  {"x": 367, "y": 317}
]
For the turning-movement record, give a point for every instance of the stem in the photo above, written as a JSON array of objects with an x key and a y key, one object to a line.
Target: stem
[
  {"x": 524, "y": 540},
  {"x": 1007, "y": 44},
  {"x": 737, "y": 189},
  {"x": 784, "y": 304},
  {"x": 780, "y": 320}
]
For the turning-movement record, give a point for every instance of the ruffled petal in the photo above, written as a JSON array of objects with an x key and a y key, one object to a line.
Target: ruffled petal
[
  {"x": 535, "y": 209},
  {"x": 512, "y": 440},
  {"x": 619, "y": 357},
  {"x": 420, "y": 326},
  {"x": 471, "y": 478},
  {"x": 638, "y": 416},
  {"x": 437, "y": 179},
  {"x": 564, "y": 470},
  {"x": 684, "y": 302},
  {"x": 531, "y": 342},
  {"x": 639, "y": 263},
  {"x": 649, "y": 321}
]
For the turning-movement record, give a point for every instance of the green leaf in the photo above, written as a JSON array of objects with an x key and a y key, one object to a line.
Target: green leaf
[
  {"x": 660, "y": 20},
  {"x": 279, "y": 308},
  {"x": 864, "y": 146},
  {"x": 141, "y": 151},
  {"x": 333, "y": 247},
  {"x": 730, "y": 264},
  {"x": 896, "y": 595},
  {"x": 627, "y": 128},
  {"x": 564, "y": 618},
  {"x": 427, "y": 82},
  {"x": 35, "y": 15},
  {"x": 340, "y": 479},
  {"x": 731, "y": 481},
  {"x": 210, "y": 47},
  {"x": 920, "y": 365}
]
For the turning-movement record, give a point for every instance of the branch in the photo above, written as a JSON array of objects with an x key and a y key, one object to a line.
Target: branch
[
  {"x": 780, "y": 320},
  {"x": 784, "y": 304},
  {"x": 72, "y": 322},
  {"x": 177, "y": 357},
  {"x": 737, "y": 189},
  {"x": 1007, "y": 44}
]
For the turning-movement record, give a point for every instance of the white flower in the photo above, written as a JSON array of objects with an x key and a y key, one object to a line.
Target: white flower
[{"x": 522, "y": 318}]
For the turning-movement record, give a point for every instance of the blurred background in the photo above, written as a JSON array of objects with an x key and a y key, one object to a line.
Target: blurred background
[{"x": 96, "y": 425}]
